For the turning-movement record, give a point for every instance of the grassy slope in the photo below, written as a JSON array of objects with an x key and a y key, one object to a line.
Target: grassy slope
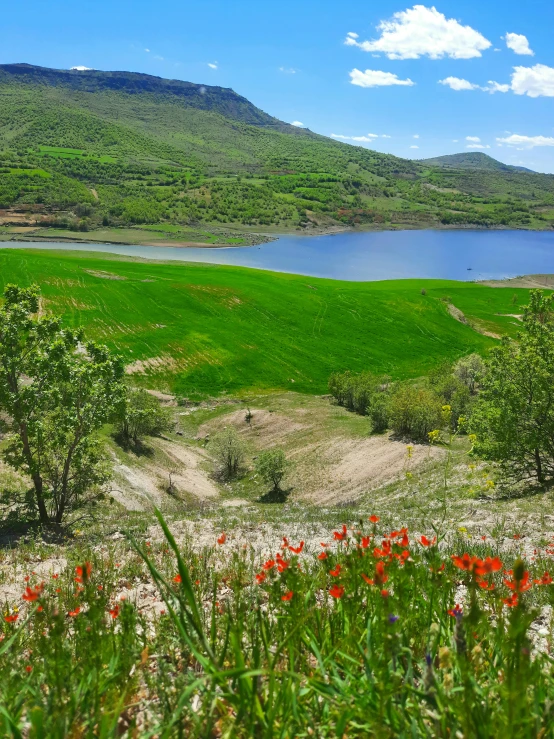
[{"x": 230, "y": 329}]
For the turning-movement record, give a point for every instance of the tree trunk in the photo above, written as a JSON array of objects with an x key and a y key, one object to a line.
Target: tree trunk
[
  {"x": 35, "y": 476},
  {"x": 538, "y": 464}
]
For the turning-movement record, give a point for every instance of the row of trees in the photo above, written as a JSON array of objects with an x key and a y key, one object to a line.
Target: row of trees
[{"x": 506, "y": 402}]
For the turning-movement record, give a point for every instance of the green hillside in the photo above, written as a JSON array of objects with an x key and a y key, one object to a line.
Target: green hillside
[
  {"x": 473, "y": 160},
  {"x": 204, "y": 329},
  {"x": 84, "y": 149}
]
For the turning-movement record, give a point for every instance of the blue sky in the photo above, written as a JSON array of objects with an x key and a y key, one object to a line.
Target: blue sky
[{"x": 440, "y": 78}]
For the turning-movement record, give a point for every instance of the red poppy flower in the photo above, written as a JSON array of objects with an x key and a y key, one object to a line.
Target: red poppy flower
[
  {"x": 285, "y": 543},
  {"x": 466, "y": 562},
  {"x": 55, "y": 576},
  {"x": 76, "y": 612},
  {"x": 28, "y": 668},
  {"x": 83, "y": 572},
  {"x": 512, "y": 601},
  {"x": 32, "y": 594},
  {"x": 269, "y": 564},
  {"x": 298, "y": 549},
  {"x": 340, "y": 535},
  {"x": 27, "y": 578},
  {"x": 380, "y": 576},
  {"x": 337, "y": 591},
  {"x": 323, "y": 555},
  {"x": 519, "y": 586},
  {"x": 336, "y": 571},
  {"x": 282, "y": 565},
  {"x": 223, "y": 538},
  {"x": 404, "y": 541},
  {"x": 11, "y": 619},
  {"x": 456, "y": 611},
  {"x": 366, "y": 541},
  {"x": 287, "y": 596},
  {"x": 368, "y": 580},
  {"x": 100, "y": 587},
  {"x": 114, "y": 612},
  {"x": 177, "y": 578},
  {"x": 374, "y": 519},
  {"x": 488, "y": 565},
  {"x": 385, "y": 593},
  {"x": 544, "y": 580},
  {"x": 260, "y": 577},
  {"x": 427, "y": 542},
  {"x": 485, "y": 585}
]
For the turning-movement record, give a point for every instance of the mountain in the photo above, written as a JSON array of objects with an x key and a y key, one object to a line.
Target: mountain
[
  {"x": 81, "y": 149},
  {"x": 472, "y": 160}
]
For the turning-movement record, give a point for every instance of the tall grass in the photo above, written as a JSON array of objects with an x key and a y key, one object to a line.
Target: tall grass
[{"x": 376, "y": 633}]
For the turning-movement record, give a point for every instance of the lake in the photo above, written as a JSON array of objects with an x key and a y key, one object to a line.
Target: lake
[{"x": 384, "y": 255}]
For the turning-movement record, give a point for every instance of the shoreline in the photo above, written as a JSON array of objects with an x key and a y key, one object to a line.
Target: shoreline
[{"x": 264, "y": 238}]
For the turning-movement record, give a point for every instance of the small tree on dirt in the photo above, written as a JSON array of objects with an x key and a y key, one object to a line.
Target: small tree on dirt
[
  {"x": 414, "y": 412},
  {"x": 272, "y": 466},
  {"x": 56, "y": 397},
  {"x": 229, "y": 451},
  {"x": 139, "y": 415},
  {"x": 514, "y": 416}
]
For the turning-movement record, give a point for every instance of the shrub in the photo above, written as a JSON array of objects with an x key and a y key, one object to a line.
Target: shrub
[
  {"x": 379, "y": 411},
  {"x": 414, "y": 412},
  {"x": 139, "y": 415},
  {"x": 272, "y": 466},
  {"x": 470, "y": 371},
  {"x": 229, "y": 451}
]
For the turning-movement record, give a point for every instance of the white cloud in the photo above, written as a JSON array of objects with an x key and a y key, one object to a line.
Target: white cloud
[
  {"x": 81, "y": 69},
  {"x": 159, "y": 58},
  {"x": 368, "y": 139},
  {"x": 478, "y": 146},
  {"x": 414, "y": 147},
  {"x": 352, "y": 35},
  {"x": 375, "y": 78},
  {"x": 475, "y": 139},
  {"x": 212, "y": 65},
  {"x": 518, "y": 43},
  {"x": 457, "y": 83},
  {"x": 455, "y": 141},
  {"x": 298, "y": 124},
  {"x": 147, "y": 51},
  {"x": 287, "y": 70},
  {"x": 526, "y": 142},
  {"x": 373, "y": 135},
  {"x": 416, "y": 135},
  {"x": 537, "y": 81},
  {"x": 421, "y": 31},
  {"x": 385, "y": 136},
  {"x": 496, "y": 87}
]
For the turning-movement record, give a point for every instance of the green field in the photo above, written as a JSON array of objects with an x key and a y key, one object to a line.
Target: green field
[{"x": 207, "y": 329}]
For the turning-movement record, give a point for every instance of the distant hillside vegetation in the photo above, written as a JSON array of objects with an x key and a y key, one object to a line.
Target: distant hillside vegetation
[
  {"x": 473, "y": 160},
  {"x": 83, "y": 150}
]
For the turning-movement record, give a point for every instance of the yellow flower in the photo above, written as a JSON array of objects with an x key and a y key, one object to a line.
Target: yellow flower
[
  {"x": 489, "y": 484},
  {"x": 472, "y": 439},
  {"x": 409, "y": 475},
  {"x": 434, "y": 436},
  {"x": 409, "y": 449},
  {"x": 462, "y": 529}
]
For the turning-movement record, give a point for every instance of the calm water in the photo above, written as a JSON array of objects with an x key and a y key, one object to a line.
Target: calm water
[{"x": 368, "y": 256}]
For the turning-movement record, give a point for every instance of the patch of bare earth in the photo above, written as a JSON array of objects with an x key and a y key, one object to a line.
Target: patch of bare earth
[
  {"x": 267, "y": 428},
  {"x": 457, "y": 314},
  {"x": 104, "y": 275},
  {"x": 529, "y": 281}
]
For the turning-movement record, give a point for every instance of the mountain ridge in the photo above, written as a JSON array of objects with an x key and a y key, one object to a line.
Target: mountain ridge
[{"x": 473, "y": 160}]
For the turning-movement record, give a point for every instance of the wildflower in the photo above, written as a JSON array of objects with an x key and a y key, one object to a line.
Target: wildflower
[
  {"x": 385, "y": 593},
  {"x": 340, "y": 535},
  {"x": 427, "y": 542},
  {"x": 32, "y": 594},
  {"x": 374, "y": 519},
  {"x": 519, "y": 585},
  {"x": 336, "y": 571},
  {"x": 409, "y": 451},
  {"x": 83, "y": 572},
  {"x": 368, "y": 580},
  {"x": 404, "y": 541},
  {"x": 544, "y": 580},
  {"x": 222, "y": 539},
  {"x": 270, "y": 564},
  {"x": 260, "y": 577},
  {"x": 12, "y": 618},
  {"x": 27, "y": 578},
  {"x": 466, "y": 562},
  {"x": 409, "y": 475},
  {"x": 177, "y": 578},
  {"x": 512, "y": 601},
  {"x": 285, "y": 543},
  {"x": 434, "y": 436},
  {"x": 488, "y": 565},
  {"x": 282, "y": 564},
  {"x": 323, "y": 555},
  {"x": 366, "y": 540},
  {"x": 489, "y": 484},
  {"x": 114, "y": 612},
  {"x": 287, "y": 596},
  {"x": 456, "y": 612},
  {"x": 76, "y": 612},
  {"x": 55, "y": 576},
  {"x": 393, "y": 619},
  {"x": 28, "y": 669},
  {"x": 445, "y": 658},
  {"x": 100, "y": 587},
  {"x": 336, "y": 591},
  {"x": 298, "y": 549}
]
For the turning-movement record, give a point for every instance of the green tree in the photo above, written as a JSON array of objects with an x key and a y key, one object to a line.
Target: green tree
[
  {"x": 229, "y": 451},
  {"x": 56, "y": 394},
  {"x": 139, "y": 415},
  {"x": 272, "y": 466},
  {"x": 514, "y": 416},
  {"x": 470, "y": 370},
  {"x": 414, "y": 412}
]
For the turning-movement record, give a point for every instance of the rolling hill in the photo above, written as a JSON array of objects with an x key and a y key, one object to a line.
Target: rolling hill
[
  {"x": 473, "y": 160},
  {"x": 84, "y": 149}
]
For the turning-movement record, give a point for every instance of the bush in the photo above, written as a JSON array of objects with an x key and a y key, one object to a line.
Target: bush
[
  {"x": 355, "y": 392},
  {"x": 229, "y": 451},
  {"x": 272, "y": 466},
  {"x": 414, "y": 412},
  {"x": 140, "y": 415},
  {"x": 379, "y": 411}
]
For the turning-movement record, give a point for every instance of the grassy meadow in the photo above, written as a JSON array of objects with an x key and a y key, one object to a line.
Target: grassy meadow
[{"x": 200, "y": 330}]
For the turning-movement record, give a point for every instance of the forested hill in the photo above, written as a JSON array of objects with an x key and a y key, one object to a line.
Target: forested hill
[
  {"x": 82, "y": 149},
  {"x": 473, "y": 160}
]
